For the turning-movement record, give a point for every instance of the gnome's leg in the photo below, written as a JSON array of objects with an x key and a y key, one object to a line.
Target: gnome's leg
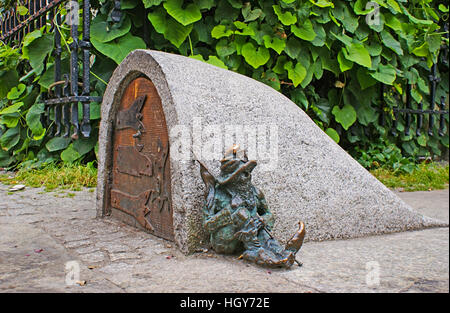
[
  {"x": 263, "y": 256},
  {"x": 283, "y": 257},
  {"x": 223, "y": 240},
  {"x": 261, "y": 249},
  {"x": 248, "y": 235},
  {"x": 252, "y": 247}
]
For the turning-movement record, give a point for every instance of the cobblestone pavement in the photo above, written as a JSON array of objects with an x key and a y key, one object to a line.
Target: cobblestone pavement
[{"x": 45, "y": 235}]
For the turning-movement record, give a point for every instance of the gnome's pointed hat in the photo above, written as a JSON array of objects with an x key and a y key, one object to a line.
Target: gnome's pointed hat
[{"x": 234, "y": 162}]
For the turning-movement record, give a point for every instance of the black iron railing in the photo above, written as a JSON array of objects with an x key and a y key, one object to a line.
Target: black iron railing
[
  {"x": 406, "y": 112},
  {"x": 14, "y": 26},
  {"x": 68, "y": 89}
]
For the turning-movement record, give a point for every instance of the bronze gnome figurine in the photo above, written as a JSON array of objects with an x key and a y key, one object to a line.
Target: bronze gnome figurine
[{"x": 237, "y": 217}]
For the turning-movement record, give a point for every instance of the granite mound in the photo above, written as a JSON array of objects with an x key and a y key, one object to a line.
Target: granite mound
[{"x": 304, "y": 174}]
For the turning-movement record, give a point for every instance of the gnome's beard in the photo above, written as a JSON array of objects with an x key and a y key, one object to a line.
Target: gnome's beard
[{"x": 242, "y": 186}]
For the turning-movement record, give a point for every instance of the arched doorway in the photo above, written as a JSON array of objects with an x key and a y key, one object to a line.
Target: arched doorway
[{"x": 141, "y": 182}]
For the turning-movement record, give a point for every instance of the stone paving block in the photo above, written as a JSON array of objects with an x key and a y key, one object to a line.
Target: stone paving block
[
  {"x": 112, "y": 247},
  {"x": 93, "y": 257},
  {"x": 124, "y": 256}
]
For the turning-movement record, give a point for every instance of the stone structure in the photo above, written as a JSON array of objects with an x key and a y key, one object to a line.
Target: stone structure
[{"x": 305, "y": 175}]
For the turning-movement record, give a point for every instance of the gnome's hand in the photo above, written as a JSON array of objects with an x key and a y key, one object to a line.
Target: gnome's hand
[
  {"x": 268, "y": 220},
  {"x": 240, "y": 216},
  {"x": 210, "y": 202},
  {"x": 218, "y": 220}
]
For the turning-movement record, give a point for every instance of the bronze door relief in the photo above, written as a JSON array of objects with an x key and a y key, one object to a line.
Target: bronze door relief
[{"x": 141, "y": 166}]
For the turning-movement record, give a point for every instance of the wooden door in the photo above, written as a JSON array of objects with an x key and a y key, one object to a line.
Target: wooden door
[{"x": 141, "y": 165}]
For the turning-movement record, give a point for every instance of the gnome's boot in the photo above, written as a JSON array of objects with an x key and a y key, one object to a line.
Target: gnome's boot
[
  {"x": 255, "y": 252},
  {"x": 264, "y": 257},
  {"x": 295, "y": 243},
  {"x": 281, "y": 256},
  {"x": 267, "y": 253},
  {"x": 252, "y": 250}
]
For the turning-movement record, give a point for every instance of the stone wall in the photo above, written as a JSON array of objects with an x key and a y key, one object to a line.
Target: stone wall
[{"x": 307, "y": 177}]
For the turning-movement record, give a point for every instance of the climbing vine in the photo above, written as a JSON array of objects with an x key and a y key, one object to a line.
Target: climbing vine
[{"x": 329, "y": 57}]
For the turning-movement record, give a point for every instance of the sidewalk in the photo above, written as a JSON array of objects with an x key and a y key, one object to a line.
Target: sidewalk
[{"x": 40, "y": 232}]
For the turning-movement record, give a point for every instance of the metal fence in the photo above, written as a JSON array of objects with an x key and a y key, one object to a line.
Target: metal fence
[
  {"x": 405, "y": 110},
  {"x": 68, "y": 89}
]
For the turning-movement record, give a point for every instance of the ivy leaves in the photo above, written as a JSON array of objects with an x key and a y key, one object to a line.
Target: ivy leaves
[
  {"x": 385, "y": 74},
  {"x": 113, "y": 40},
  {"x": 118, "y": 49},
  {"x": 175, "y": 19},
  {"x": 304, "y": 31},
  {"x": 296, "y": 74},
  {"x": 213, "y": 60},
  {"x": 237, "y": 28},
  {"x": 57, "y": 144},
  {"x": 70, "y": 152},
  {"x": 10, "y": 138},
  {"x": 36, "y": 47},
  {"x": 291, "y": 44},
  {"x": 150, "y": 3},
  {"x": 249, "y": 14},
  {"x": 390, "y": 42},
  {"x": 33, "y": 119},
  {"x": 104, "y": 31},
  {"x": 185, "y": 16},
  {"x": 172, "y": 30},
  {"x": 358, "y": 53},
  {"x": 274, "y": 43},
  {"x": 255, "y": 56},
  {"x": 20, "y": 114},
  {"x": 286, "y": 18},
  {"x": 327, "y": 56},
  {"x": 345, "y": 116}
]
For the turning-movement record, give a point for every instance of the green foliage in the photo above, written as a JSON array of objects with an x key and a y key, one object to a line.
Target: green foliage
[
  {"x": 385, "y": 155},
  {"x": 23, "y": 138},
  {"x": 36, "y": 48},
  {"x": 324, "y": 55},
  {"x": 55, "y": 176},
  {"x": 329, "y": 57},
  {"x": 6, "y": 4},
  {"x": 118, "y": 49},
  {"x": 425, "y": 176}
]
